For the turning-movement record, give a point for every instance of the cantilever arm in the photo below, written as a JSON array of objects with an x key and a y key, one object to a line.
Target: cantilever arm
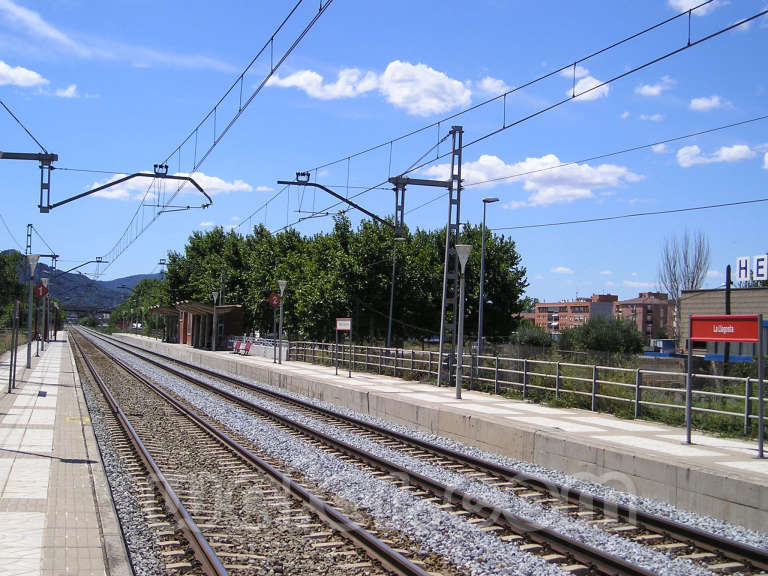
[
  {"x": 340, "y": 197},
  {"x": 129, "y": 177}
]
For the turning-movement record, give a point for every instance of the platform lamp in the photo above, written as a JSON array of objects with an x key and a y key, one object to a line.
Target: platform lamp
[
  {"x": 462, "y": 251},
  {"x": 486, "y": 201},
  {"x": 215, "y": 296},
  {"x": 282, "y": 284},
  {"x": 32, "y": 262},
  {"x": 44, "y": 322}
]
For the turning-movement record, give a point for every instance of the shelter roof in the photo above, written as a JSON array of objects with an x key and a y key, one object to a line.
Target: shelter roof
[{"x": 199, "y": 308}]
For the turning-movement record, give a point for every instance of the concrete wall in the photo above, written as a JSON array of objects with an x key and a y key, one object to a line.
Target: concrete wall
[{"x": 718, "y": 494}]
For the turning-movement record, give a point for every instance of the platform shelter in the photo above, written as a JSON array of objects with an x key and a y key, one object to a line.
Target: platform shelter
[
  {"x": 195, "y": 325},
  {"x": 170, "y": 317}
]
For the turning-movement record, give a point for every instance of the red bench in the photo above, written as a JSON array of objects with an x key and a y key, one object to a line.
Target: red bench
[
  {"x": 246, "y": 349},
  {"x": 236, "y": 348}
]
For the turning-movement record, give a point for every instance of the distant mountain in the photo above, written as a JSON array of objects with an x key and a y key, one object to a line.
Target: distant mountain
[{"x": 76, "y": 291}]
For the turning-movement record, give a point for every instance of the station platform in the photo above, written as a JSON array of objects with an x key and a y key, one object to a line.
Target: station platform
[
  {"x": 718, "y": 477},
  {"x": 56, "y": 511}
]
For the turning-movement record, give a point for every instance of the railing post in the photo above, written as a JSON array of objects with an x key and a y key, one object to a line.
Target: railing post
[
  {"x": 379, "y": 360},
  {"x": 429, "y": 367},
  {"x": 638, "y": 391},
  {"x": 557, "y": 381},
  {"x": 313, "y": 352},
  {"x": 747, "y": 405},
  {"x": 594, "y": 388},
  {"x": 411, "y": 361},
  {"x": 496, "y": 376},
  {"x": 394, "y": 365},
  {"x": 366, "y": 358},
  {"x": 525, "y": 378}
]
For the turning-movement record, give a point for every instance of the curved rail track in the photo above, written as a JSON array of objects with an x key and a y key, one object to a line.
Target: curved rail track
[
  {"x": 304, "y": 509},
  {"x": 712, "y": 551}
]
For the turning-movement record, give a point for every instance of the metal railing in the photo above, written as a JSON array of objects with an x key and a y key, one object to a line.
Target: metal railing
[{"x": 626, "y": 392}]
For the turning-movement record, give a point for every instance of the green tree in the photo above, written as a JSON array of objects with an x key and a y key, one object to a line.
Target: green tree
[
  {"x": 11, "y": 289},
  {"x": 603, "y": 334}
]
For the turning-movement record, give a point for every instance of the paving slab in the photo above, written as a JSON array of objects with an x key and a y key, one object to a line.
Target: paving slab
[
  {"x": 56, "y": 513},
  {"x": 715, "y": 476}
]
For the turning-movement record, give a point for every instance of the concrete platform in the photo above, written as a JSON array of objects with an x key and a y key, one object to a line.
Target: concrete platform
[
  {"x": 56, "y": 511},
  {"x": 715, "y": 476}
]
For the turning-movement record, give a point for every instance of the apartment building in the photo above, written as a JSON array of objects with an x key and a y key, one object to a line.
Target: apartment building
[
  {"x": 651, "y": 312},
  {"x": 559, "y": 316}
]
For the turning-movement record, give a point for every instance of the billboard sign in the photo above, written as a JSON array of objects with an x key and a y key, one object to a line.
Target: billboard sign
[{"x": 726, "y": 328}]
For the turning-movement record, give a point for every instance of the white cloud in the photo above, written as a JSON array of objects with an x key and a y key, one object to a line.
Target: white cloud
[
  {"x": 634, "y": 274},
  {"x": 685, "y": 5},
  {"x": 561, "y": 270},
  {"x": 235, "y": 218},
  {"x": 660, "y": 148},
  {"x": 706, "y": 103},
  {"x": 264, "y": 189},
  {"x": 624, "y": 115},
  {"x": 206, "y": 224},
  {"x": 589, "y": 83},
  {"x": 610, "y": 284},
  {"x": 636, "y": 284},
  {"x": 493, "y": 86},
  {"x": 137, "y": 187},
  {"x": 35, "y": 26},
  {"x": 714, "y": 274},
  {"x": 547, "y": 184},
  {"x": 606, "y": 272},
  {"x": 665, "y": 83},
  {"x": 421, "y": 90},
  {"x": 652, "y": 117},
  {"x": 417, "y": 88},
  {"x": 18, "y": 76},
  {"x": 68, "y": 92},
  {"x": 689, "y": 156},
  {"x": 350, "y": 82},
  {"x": 765, "y": 161}
]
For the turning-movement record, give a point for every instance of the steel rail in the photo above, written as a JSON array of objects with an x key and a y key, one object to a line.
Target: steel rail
[
  {"x": 589, "y": 556},
  {"x": 209, "y": 562},
  {"x": 736, "y": 551},
  {"x": 360, "y": 537}
]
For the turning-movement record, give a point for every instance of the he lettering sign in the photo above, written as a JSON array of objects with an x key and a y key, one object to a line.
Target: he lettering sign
[{"x": 759, "y": 268}]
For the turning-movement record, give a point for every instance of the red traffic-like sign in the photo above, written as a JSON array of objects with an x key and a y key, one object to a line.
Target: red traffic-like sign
[
  {"x": 726, "y": 328},
  {"x": 274, "y": 300},
  {"x": 40, "y": 290}
]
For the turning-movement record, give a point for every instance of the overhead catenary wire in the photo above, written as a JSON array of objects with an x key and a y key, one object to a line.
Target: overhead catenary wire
[
  {"x": 573, "y": 96},
  {"x": 595, "y": 157},
  {"x": 633, "y": 215},
  {"x": 20, "y": 123},
  {"x": 5, "y": 224}
]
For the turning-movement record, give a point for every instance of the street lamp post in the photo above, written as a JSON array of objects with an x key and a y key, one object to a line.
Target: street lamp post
[
  {"x": 281, "y": 284},
  {"x": 486, "y": 201},
  {"x": 32, "y": 262},
  {"x": 392, "y": 291},
  {"x": 44, "y": 322},
  {"x": 213, "y": 336},
  {"x": 462, "y": 251},
  {"x": 131, "y": 330}
]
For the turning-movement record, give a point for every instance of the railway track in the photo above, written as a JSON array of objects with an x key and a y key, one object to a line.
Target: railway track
[
  {"x": 710, "y": 551},
  {"x": 175, "y": 451}
]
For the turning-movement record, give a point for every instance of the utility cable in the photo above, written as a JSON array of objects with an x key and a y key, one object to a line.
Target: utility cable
[
  {"x": 573, "y": 96},
  {"x": 592, "y": 158},
  {"x": 633, "y": 215},
  {"x": 526, "y": 84},
  {"x": 11, "y": 233},
  {"x": 43, "y": 240},
  {"x": 24, "y": 127}
]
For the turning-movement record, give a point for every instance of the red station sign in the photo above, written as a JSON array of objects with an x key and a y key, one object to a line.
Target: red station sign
[
  {"x": 40, "y": 290},
  {"x": 726, "y": 328},
  {"x": 274, "y": 300}
]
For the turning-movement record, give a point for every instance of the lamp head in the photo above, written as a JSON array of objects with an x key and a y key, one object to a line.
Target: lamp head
[
  {"x": 490, "y": 200},
  {"x": 32, "y": 261},
  {"x": 282, "y": 284},
  {"x": 44, "y": 281},
  {"x": 462, "y": 251}
]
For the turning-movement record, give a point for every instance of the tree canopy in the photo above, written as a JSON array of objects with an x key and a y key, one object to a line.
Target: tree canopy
[
  {"x": 603, "y": 334},
  {"x": 347, "y": 272}
]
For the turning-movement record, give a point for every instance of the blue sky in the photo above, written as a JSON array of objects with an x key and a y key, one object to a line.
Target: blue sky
[{"x": 117, "y": 86}]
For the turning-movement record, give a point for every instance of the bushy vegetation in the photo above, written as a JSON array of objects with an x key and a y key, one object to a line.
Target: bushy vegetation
[
  {"x": 604, "y": 335},
  {"x": 531, "y": 335}
]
